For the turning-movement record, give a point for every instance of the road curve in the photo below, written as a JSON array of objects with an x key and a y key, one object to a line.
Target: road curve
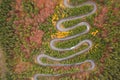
[{"x": 52, "y": 43}]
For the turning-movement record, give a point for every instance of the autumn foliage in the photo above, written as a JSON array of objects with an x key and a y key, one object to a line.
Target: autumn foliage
[
  {"x": 99, "y": 21},
  {"x": 21, "y": 67},
  {"x": 34, "y": 35}
]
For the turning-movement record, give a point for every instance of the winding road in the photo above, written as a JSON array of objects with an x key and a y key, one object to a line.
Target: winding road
[{"x": 52, "y": 43}]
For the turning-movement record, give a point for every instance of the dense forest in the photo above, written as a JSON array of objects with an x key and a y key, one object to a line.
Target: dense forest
[{"x": 28, "y": 26}]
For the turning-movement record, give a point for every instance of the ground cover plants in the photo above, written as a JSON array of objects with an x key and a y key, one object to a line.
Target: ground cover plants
[{"x": 28, "y": 26}]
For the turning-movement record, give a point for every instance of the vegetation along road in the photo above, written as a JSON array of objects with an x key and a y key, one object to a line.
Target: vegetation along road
[{"x": 52, "y": 43}]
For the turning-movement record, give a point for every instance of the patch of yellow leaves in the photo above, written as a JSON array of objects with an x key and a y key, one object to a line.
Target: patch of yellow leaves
[
  {"x": 94, "y": 33},
  {"x": 54, "y": 19},
  {"x": 60, "y": 34},
  {"x": 61, "y": 4},
  {"x": 55, "y": 16}
]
